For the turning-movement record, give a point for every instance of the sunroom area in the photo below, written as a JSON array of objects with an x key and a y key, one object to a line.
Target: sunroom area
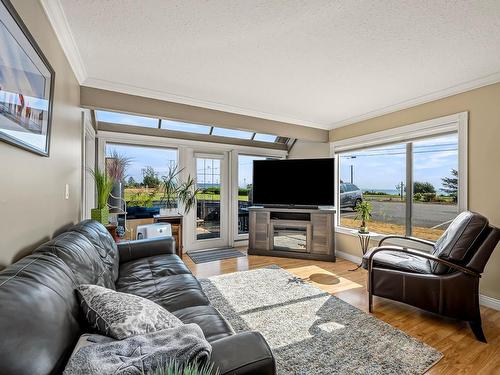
[{"x": 151, "y": 159}]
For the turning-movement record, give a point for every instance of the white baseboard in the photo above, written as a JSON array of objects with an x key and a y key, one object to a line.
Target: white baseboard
[
  {"x": 347, "y": 256},
  {"x": 486, "y": 301},
  {"x": 490, "y": 302}
]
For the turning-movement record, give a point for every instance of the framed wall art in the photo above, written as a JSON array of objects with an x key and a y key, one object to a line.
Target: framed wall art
[{"x": 26, "y": 86}]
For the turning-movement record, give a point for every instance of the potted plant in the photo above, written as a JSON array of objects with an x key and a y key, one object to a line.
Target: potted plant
[
  {"x": 103, "y": 185},
  {"x": 116, "y": 166},
  {"x": 174, "y": 368},
  {"x": 175, "y": 191},
  {"x": 363, "y": 213}
]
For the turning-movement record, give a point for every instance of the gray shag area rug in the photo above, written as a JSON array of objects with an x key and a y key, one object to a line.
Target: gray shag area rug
[{"x": 311, "y": 331}]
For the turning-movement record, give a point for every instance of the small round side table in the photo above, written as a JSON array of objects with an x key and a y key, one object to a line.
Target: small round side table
[{"x": 364, "y": 241}]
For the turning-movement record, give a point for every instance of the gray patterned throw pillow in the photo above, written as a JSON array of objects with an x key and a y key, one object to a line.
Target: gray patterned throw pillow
[{"x": 121, "y": 315}]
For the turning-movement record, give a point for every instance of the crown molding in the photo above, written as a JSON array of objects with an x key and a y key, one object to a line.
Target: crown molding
[
  {"x": 441, "y": 94},
  {"x": 55, "y": 13},
  {"x": 167, "y": 96}
]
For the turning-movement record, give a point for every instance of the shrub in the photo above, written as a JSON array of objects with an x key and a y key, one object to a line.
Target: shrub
[
  {"x": 428, "y": 197},
  {"x": 418, "y": 196},
  {"x": 243, "y": 191},
  {"x": 423, "y": 187},
  {"x": 373, "y": 192},
  {"x": 439, "y": 198}
]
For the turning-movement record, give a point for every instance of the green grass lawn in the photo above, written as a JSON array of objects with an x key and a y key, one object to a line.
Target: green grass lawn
[
  {"x": 397, "y": 198},
  {"x": 129, "y": 193}
]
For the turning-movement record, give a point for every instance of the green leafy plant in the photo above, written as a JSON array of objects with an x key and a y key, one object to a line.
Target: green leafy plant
[
  {"x": 174, "y": 368},
  {"x": 142, "y": 198},
  {"x": 363, "y": 213},
  {"x": 103, "y": 185},
  {"x": 174, "y": 190}
]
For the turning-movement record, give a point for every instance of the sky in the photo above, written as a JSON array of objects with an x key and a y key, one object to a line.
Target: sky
[
  {"x": 382, "y": 168},
  {"x": 160, "y": 158}
]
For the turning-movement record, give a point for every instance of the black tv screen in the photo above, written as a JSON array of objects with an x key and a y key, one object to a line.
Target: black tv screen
[{"x": 299, "y": 182}]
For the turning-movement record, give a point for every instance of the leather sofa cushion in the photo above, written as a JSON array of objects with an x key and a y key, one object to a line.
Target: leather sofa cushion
[
  {"x": 81, "y": 257},
  {"x": 213, "y": 325},
  {"x": 39, "y": 315},
  {"x": 103, "y": 242},
  {"x": 399, "y": 261},
  {"x": 164, "y": 279},
  {"x": 150, "y": 268}
]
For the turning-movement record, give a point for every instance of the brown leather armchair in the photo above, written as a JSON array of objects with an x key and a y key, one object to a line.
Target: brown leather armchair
[{"x": 444, "y": 281}]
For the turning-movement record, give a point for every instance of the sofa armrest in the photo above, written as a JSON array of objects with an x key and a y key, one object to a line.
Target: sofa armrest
[
  {"x": 130, "y": 250},
  {"x": 243, "y": 354}
]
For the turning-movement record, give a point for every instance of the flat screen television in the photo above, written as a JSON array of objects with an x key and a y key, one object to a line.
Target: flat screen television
[{"x": 294, "y": 182}]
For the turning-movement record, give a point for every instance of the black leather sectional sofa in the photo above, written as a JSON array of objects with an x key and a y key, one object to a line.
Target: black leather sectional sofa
[{"x": 41, "y": 321}]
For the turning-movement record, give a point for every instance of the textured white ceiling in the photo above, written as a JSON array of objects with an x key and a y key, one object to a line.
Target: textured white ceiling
[{"x": 317, "y": 63}]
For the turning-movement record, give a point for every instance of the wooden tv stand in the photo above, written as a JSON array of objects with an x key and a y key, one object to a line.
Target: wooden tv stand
[{"x": 292, "y": 232}]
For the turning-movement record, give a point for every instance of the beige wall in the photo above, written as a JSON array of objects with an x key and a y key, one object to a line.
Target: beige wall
[
  {"x": 32, "y": 187},
  {"x": 483, "y": 105},
  {"x": 304, "y": 150}
]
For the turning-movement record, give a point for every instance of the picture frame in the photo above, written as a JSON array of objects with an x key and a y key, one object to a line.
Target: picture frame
[{"x": 26, "y": 86}]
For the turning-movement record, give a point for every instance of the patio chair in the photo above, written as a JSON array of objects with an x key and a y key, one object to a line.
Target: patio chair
[{"x": 444, "y": 281}]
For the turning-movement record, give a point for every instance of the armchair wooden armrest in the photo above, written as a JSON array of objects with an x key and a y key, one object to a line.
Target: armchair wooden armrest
[
  {"x": 411, "y": 239},
  {"x": 419, "y": 254}
]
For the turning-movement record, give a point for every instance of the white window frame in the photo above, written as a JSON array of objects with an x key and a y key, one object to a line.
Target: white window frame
[{"x": 439, "y": 126}]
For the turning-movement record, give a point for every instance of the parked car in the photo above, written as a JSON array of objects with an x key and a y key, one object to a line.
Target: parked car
[{"x": 350, "y": 195}]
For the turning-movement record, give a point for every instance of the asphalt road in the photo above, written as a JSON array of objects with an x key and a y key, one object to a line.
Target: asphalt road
[{"x": 424, "y": 214}]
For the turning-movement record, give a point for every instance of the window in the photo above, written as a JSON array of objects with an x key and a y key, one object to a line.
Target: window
[
  {"x": 144, "y": 167},
  {"x": 415, "y": 182},
  {"x": 185, "y": 127},
  {"x": 125, "y": 119},
  {"x": 233, "y": 133},
  {"x": 372, "y": 174},
  {"x": 435, "y": 185},
  {"x": 264, "y": 137}
]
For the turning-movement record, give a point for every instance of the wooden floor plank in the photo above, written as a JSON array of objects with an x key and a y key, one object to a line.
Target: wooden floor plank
[{"x": 463, "y": 354}]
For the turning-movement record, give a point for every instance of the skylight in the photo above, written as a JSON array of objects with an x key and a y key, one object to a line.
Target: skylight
[
  {"x": 125, "y": 119},
  {"x": 222, "y": 132},
  {"x": 185, "y": 127},
  {"x": 265, "y": 137}
]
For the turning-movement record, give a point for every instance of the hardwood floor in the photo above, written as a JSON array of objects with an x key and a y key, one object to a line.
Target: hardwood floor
[{"x": 463, "y": 354}]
